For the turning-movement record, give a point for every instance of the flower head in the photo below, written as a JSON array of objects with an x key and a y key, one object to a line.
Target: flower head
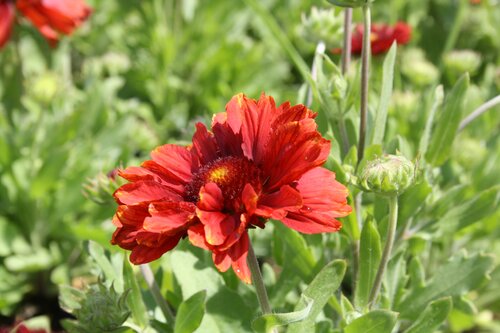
[
  {"x": 51, "y": 17},
  {"x": 258, "y": 162},
  {"x": 381, "y": 38}
]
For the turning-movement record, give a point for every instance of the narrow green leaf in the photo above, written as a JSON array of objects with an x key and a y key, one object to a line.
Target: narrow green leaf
[
  {"x": 298, "y": 255},
  {"x": 378, "y": 130},
  {"x": 426, "y": 135},
  {"x": 97, "y": 253},
  {"x": 267, "y": 322},
  {"x": 471, "y": 211},
  {"x": 190, "y": 313},
  {"x": 417, "y": 273},
  {"x": 447, "y": 125},
  {"x": 369, "y": 259},
  {"x": 320, "y": 290},
  {"x": 377, "y": 321},
  {"x": 134, "y": 301},
  {"x": 458, "y": 276},
  {"x": 433, "y": 316}
]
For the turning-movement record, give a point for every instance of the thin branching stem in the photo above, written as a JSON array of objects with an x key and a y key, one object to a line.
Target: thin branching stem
[{"x": 258, "y": 281}]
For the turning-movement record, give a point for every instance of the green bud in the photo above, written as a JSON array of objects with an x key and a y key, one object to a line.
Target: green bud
[
  {"x": 464, "y": 148},
  {"x": 349, "y": 3},
  {"x": 403, "y": 104},
  {"x": 44, "y": 87},
  {"x": 98, "y": 309},
  {"x": 323, "y": 25},
  {"x": 389, "y": 174},
  {"x": 100, "y": 188},
  {"x": 417, "y": 69},
  {"x": 459, "y": 62}
]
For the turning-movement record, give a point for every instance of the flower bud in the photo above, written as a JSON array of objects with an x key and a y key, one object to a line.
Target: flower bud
[
  {"x": 459, "y": 62},
  {"x": 44, "y": 87},
  {"x": 100, "y": 188},
  {"x": 349, "y": 3},
  {"x": 389, "y": 174},
  {"x": 417, "y": 69},
  {"x": 99, "y": 309},
  {"x": 323, "y": 25},
  {"x": 103, "y": 309}
]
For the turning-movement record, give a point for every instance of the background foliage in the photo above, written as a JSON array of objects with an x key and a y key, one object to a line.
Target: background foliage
[{"x": 140, "y": 73}]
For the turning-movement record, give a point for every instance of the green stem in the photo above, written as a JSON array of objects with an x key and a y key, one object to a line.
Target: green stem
[
  {"x": 347, "y": 44},
  {"x": 389, "y": 242},
  {"x": 365, "y": 72},
  {"x": 479, "y": 111},
  {"x": 258, "y": 281},
  {"x": 147, "y": 273}
]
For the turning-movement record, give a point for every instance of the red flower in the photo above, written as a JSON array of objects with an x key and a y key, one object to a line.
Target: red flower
[
  {"x": 382, "y": 36},
  {"x": 51, "y": 17},
  {"x": 6, "y": 20},
  {"x": 258, "y": 162},
  {"x": 21, "y": 328}
]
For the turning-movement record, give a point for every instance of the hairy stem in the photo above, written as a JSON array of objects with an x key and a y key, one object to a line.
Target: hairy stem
[
  {"x": 389, "y": 242},
  {"x": 147, "y": 273},
  {"x": 365, "y": 72},
  {"x": 347, "y": 43},
  {"x": 258, "y": 281}
]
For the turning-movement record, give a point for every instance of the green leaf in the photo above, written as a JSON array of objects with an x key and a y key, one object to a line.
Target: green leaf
[
  {"x": 190, "y": 313},
  {"x": 134, "y": 300},
  {"x": 378, "y": 130},
  {"x": 433, "y": 316},
  {"x": 267, "y": 322},
  {"x": 347, "y": 3},
  {"x": 447, "y": 125},
  {"x": 298, "y": 255},
  {"x": 377, "y": 321},
  {"x": 369, "y": 259},
  {"x": 322, "y": 287},
  {"x": 112, "y": 274},
  {"x": 464, "y": 214},
  {"x": 438, "y": 100},
  {"x": 417, "y": 273},
  {"x": 458, "y": 276}
]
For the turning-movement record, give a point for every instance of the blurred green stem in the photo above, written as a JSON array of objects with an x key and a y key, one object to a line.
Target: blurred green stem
[
  {"x": 457, "y": 25},
  {"x": 365, "y": 72},
  {"x": 347, "y": 44},
  {"x": 258, "y": 282},
  {"x": 148, "y": 275},
  {"x": 479, "y": 111},
  {"x": 389, "y": 242}
]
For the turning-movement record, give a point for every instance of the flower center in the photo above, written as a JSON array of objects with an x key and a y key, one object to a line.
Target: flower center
[{"x": 231, "y": 174}]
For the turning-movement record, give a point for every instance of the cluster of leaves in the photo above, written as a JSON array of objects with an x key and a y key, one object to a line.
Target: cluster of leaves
[{"x": 140, "y": 72}]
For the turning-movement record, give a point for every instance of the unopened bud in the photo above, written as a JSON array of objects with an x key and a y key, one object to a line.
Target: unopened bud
[
  {"x": 459, "y": 62},
  {"x": 389, "y": 174},
  {"x": 323, "y": 25},
  {"x": 417, "y": 69},
  {"x": 100, "y": 188}
]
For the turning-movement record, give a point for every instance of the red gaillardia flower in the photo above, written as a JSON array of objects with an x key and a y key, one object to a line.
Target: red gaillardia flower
[
  {"x": 51, "y": 17},
  {"x": 382, "y": 36},
  {"x": 258, "y": 162}
]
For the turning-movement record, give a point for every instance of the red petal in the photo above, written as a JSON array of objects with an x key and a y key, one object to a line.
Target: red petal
[
  {"x": 218, "y": 226},
  {"x": 222, "y": 261},
  {"x": 169, "y": 217},
  {"x": 132, "y": 215},
  {"x": 228, "y": 141},
  {"x": 324, "y": 200},
  {"x": 211, "y": 198},
  {"x": 7, "y": 15},
  {"x": 144, "y": 191},
  {"x": 249, "y": 198},
  {"x": 277, "y": 204},
  {"x": 238, "y": 254},
  {"x": 176, "y": 159},
  {"x": 204, "y": 145},
  {"x": 297, "y": 147},
  {"x": 196, "y": 234},
  {"x": 142, "y": 254},
  {"x": 125, "y": 237}
]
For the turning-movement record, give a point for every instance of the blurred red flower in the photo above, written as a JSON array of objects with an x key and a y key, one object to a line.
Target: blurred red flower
[
  {"x": 51, "y": 17},
  {"x": 382, "y": 36},
  {"x": 258, "y": 162},
  {"x": 21, "y": 328}
]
